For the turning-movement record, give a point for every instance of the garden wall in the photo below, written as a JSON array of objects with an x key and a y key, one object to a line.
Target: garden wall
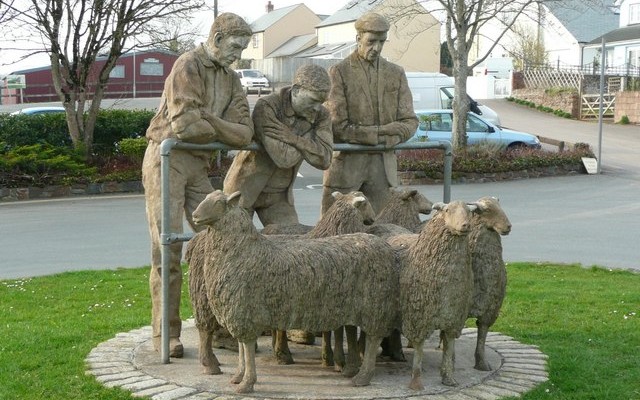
[
  {"x": 565, "y": 101},
  {"x": 627, "y": 103}
]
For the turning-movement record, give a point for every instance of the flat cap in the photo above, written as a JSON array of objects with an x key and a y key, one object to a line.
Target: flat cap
[
  {"x": 312, "y": 77},
  {"x": 372, "y": 22}
]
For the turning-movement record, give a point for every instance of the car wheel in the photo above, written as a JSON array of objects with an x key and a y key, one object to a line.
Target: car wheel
[{"x": 516, "y": 146}]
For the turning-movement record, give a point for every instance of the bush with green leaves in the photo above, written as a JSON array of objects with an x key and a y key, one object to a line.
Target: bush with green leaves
[
  {"x": 111, "y": 127},
  {"x": 23, "y": 129},
  {"x": 41, "y": 165},
  {"x": 485, "y": 158}
]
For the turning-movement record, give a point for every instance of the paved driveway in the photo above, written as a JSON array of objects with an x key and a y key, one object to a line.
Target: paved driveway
[{"x": 589, "y": 219}]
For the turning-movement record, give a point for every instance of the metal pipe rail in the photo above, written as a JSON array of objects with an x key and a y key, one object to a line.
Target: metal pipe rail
[{"x": 168, "y": 238}]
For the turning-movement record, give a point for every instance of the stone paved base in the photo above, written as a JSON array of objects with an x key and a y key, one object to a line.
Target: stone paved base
[{"x": 128, "y": 361}]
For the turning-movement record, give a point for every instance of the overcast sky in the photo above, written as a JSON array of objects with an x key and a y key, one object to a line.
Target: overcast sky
[{"x": 248, "y": 9}]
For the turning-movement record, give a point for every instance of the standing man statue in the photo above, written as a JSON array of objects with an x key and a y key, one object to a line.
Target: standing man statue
[
  {"x": 202, "y": 102},
  {"x": 370, "y": 103},
  {"x": 292, "y": 126}
]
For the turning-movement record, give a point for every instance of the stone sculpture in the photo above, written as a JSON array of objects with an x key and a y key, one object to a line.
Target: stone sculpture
[
  {"x": 292, "y": 126},
  {"x": 202, "y": 102},
  {"x": 370, "y": 104},
  {"x": 244, "y": 271}
]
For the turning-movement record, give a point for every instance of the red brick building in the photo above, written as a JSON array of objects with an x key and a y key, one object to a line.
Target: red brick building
[{"x": 139, "y": 74}]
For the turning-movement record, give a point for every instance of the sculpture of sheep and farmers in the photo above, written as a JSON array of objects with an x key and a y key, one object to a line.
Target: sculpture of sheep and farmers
[{"x": 254, "y": 284}]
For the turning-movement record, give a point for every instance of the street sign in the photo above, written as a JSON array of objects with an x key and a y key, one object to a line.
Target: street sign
[{"x": 16, "y": 81}]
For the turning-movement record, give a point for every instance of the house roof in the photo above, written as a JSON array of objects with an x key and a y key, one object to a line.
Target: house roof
[
  {"x": 325, "y": 50},
  {"x": 350, "y": 12},
  {"x": 295, "y": 45},
  {"x": 585, "y": 20},
  {"x": 627, "y": 33},
  {"x": 270, "y": 18}
]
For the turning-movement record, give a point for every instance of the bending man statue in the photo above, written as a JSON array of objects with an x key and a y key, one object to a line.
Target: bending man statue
[
  {"x": 292, "y": 126},
  {"x": 202, "y": 102},
  {"x": 370, "y": 103}
]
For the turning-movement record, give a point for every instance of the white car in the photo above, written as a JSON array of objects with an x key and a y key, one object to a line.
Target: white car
[
  {"x": 39, "y": 110},
  {"x": 253, "y": 81},
  {"x": 437, "y": 125}
]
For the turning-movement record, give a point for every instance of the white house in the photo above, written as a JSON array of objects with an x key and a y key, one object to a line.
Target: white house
[
  {"x": 622, "y": 45},
  {"x": 564, "y": 27}
]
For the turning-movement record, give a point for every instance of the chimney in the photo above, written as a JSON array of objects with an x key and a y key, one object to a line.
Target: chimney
[{"x": 269, "y": 7}]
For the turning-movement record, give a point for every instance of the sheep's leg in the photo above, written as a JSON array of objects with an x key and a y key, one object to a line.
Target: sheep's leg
[
  {"x": 416, "y": 368},
  {"x": 327, "y": 352},
  {"x": 392, "y": 346},
  {"x": 237, "y": 378},
  {"x": 208, "y": 360},
  {"x": 448, "y": 360},
  {"x": 338, "y": 352},
  {"x": 481, "y": 362},
  {"x": 250, "y": 377},
  {"x": 363, "y": 378},
  {"x": 353, "y": 356},
  {"x": 281, "y": 348}
]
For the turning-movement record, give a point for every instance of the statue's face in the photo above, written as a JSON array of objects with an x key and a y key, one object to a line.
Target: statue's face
[
  {"x": 227, "y": 49},
  {"x": 370, "y": 44},
  {"x": 306, "y": 103}
]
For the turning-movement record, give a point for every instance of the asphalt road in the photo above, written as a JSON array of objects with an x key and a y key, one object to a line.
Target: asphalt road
[{"x": 586, "y": 219}]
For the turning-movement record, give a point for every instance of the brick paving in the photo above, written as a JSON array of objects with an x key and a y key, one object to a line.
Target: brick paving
[{"x": 128, "y": 361}]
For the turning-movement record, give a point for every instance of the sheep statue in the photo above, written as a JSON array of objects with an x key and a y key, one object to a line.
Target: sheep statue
[
  {"x": 254, "y": 283},
  {"x": 404, "y": 209},
  {"x": 436, "y": 286},
  {"x": 489, "y": 273},
  {"x": 350, "y": 213}
]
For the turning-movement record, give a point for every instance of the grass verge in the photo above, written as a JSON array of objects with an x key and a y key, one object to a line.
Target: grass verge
[{"x": 585, "y": 319}]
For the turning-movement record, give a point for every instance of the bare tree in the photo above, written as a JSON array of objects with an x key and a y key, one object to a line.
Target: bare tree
[
  {"x": 527, "y": 47},
  {"x": 463, "y": 21},
  {"x": 174, "y": 34},
  {"x": 73, "y": 33}
]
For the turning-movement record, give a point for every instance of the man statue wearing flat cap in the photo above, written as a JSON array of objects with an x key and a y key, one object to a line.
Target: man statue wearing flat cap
[
  {"x": 292, "y": 126},
  {"x": 370, "y": 103}
]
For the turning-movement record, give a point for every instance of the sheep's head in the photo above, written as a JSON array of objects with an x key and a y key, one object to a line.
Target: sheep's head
[
  {"x": 359, "y": 201},
  {"x": 420, "y": 203},
  {"x": 456, "y": 215},
  {"x": 492, "y": 215},
  {"x": 213, "y": 207}
]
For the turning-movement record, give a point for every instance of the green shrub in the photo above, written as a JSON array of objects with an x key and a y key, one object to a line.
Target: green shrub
[
  {"x": 22, "y": 129},
  {"x": 41, "y": 165},
  {"x": 111, "y": 127},
  {"x": 486, "y": 159},
  {"x": 624, "y": 120},
  {"x": 114, "y": 125},
  {"x": 132, "y": 148}
]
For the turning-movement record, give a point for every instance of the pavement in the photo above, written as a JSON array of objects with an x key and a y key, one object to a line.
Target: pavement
[{"x": 128, "y": 361}]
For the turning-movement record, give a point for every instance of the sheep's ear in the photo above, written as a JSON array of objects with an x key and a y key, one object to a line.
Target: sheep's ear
[
  {"x": 233, "y": 199},
  {"x": 438, "y": 205},
  {"x": 475, "y": 207},
  {"x": 336, "y": 195},
  {"x": 358, "y": 200},
  {"x": 407, "y": 194}
]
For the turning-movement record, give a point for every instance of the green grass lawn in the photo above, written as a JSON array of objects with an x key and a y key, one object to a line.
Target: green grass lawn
[{"x": 585, "y": 319}]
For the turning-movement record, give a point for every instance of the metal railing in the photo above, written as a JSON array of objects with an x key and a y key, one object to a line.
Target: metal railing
[{"x": 167, "y": 238}]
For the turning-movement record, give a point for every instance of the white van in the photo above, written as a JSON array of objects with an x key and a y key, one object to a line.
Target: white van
[
  {"x": 498, "y": 67},
  {"x": 432, "y": 90}
]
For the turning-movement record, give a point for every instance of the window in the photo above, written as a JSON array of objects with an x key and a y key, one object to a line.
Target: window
[
  {"x": 634, "y": 57},
  {"x": 151, "y": 67},
  {"x": 117, "y": 72},
  {"x": 255, "y": 40},
  {"x": 634, "y": 13}
]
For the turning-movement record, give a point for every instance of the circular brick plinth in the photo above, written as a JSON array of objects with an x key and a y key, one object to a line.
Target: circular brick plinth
[{"x": 128, "y": 361}]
